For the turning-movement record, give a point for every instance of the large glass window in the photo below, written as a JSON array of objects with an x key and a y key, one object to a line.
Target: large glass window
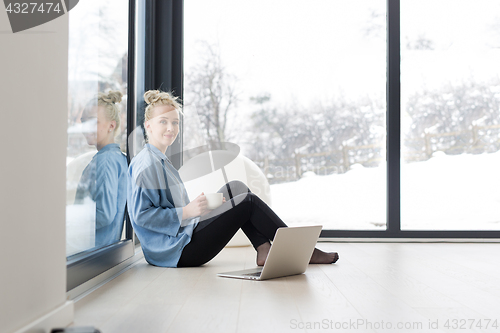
[
  {"x": 97, "y": 125},
  {"x": 300, "y": 87},
  {"x": 450, "y": 106}
]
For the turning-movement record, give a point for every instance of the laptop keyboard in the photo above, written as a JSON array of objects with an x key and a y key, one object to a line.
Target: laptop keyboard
[{"x": 253, "y": 274}]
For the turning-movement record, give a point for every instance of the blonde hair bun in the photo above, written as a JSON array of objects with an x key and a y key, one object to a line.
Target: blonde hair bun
[
  {"x": 157, "y": 97},
  {"x": 113, "y": 96},
  {"x": 152, "y": 96}
]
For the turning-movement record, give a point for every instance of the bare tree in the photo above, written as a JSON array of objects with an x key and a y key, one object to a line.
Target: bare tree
[{"x": 213, "y": 91}]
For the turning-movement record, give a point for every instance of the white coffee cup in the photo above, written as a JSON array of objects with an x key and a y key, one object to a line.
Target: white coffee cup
[{"x": 214, "y": 200}]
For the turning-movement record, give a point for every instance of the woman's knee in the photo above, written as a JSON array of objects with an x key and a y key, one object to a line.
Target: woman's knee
[
  {"x": 237, "y": 183},
  {"x": 238, "y": 187}
]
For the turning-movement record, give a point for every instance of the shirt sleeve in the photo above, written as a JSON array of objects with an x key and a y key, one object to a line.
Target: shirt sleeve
[{"x": 146, "y": 209}]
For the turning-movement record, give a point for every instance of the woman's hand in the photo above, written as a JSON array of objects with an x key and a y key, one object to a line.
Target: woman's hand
[{"x": 196, "y": 207}]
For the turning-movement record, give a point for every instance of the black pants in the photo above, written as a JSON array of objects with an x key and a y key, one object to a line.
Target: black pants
[{"x": 244, "y": 210}]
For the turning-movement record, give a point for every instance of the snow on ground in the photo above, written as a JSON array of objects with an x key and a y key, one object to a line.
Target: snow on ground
[{"x": 460, "y": 192}]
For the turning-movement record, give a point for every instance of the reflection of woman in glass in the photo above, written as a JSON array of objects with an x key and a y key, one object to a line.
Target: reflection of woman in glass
[
  {"x": 104, "y": 180},
  {"x": 175, "y": 232}
]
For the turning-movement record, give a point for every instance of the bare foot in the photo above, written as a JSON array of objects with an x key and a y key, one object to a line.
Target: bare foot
[
  {"x": 262, "y": 252},
  {"x": 320, "y": 257}
]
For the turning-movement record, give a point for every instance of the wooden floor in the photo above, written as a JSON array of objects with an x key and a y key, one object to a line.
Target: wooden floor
[{"x": 374, "y": 287}]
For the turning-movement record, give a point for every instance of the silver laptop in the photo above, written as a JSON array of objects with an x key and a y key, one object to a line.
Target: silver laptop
[{"x": 290, "y": 253}]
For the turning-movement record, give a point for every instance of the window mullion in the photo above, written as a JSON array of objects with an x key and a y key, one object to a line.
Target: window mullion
[{"x": 393, "y": 92}]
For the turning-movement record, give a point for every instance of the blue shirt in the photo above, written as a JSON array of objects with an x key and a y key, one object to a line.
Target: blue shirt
[
  {"x": 104, "y": 181},
  {"x": 156, "y": 196}
]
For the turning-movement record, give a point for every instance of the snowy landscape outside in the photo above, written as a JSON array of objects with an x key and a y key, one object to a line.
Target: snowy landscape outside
[
  {"x": 446, "y": 199},
  {"x": 301, "y": 88}
]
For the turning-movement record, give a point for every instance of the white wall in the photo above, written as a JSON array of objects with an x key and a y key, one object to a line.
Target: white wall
[{"x": 33, "y": 120}]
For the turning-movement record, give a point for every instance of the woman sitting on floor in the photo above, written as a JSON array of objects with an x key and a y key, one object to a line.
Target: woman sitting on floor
[{"x": 175, "y": 232}]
